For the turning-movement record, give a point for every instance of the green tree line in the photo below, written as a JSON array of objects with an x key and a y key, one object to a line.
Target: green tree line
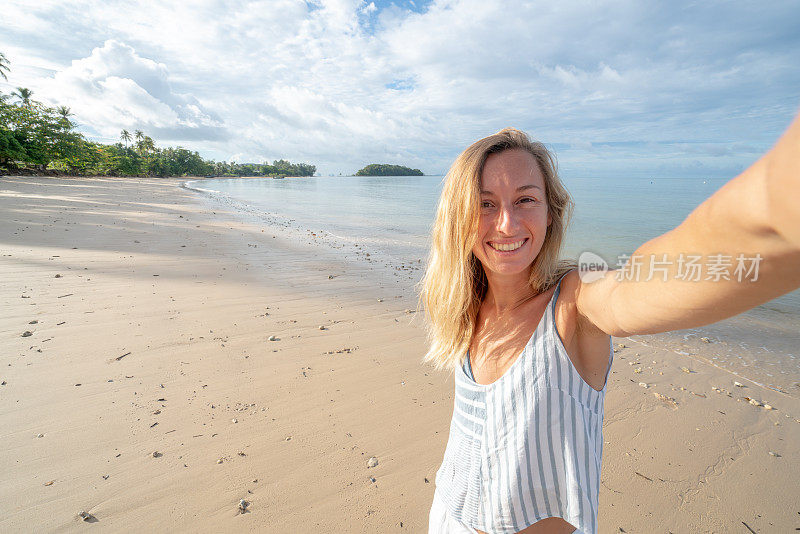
[{"x": 41, "y": 139}]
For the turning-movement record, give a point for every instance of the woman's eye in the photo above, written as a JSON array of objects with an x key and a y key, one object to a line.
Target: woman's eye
[
  {"x": 486, "y": 204},
  {"x": 527, "y": 199}
]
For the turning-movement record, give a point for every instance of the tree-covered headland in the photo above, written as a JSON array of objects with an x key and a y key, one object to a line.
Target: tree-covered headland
[
  {"x": 37, "y": 139},
  {"x": 384, "y": 169}
]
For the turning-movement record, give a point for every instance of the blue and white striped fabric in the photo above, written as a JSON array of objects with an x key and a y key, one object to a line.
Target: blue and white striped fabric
[{"x": 527, "y": 446}]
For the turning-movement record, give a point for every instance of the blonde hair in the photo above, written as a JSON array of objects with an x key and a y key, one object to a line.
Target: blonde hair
[{"x": 455, "y": 283}]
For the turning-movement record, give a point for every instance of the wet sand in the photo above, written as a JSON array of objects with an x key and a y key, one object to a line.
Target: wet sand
[{"x": 149, "y": 395}]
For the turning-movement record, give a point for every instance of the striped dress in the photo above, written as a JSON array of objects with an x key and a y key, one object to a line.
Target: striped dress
[{"x": 527, "y": 446}]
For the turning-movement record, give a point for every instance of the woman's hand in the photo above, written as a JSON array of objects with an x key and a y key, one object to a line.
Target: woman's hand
[{"x": 753, "y": 220}]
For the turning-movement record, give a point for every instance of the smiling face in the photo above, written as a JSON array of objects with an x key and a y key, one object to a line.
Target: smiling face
[{"x": 514, "y": 215}]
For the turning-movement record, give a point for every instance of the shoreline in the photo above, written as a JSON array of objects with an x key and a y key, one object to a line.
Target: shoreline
[
  {"x": 759, "y": 345},
  {"x": 164, "y": 295}
]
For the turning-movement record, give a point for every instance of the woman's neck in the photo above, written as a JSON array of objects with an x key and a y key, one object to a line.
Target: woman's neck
[{"x": 506, "y": 293}]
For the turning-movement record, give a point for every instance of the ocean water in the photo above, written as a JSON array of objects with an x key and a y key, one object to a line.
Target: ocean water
[
  {"x": 391, "y": 217},
  {"x": 391, "y": 214}
]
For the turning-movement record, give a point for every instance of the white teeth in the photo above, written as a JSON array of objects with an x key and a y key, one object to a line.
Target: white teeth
[{"x": 505, "y": 247}]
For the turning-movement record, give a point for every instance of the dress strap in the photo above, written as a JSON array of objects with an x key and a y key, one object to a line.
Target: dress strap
[
  {"x": 555, "y": 296},
  {"x": 553, "y": 319}
]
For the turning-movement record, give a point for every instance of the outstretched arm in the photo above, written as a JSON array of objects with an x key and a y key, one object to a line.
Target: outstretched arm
[{"x": 756, "y": 213}]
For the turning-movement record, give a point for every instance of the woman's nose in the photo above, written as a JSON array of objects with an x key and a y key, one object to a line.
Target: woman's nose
[{"x": 506, "y": 220}]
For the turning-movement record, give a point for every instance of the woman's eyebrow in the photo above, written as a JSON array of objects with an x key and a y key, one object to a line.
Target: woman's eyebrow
[{"x": 520, "y": 188}]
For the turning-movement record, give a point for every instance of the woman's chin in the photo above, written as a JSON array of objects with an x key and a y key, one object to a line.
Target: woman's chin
[{"x": 508, "y": 268}]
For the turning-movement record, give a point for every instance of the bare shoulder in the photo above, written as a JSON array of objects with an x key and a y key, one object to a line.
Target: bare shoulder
[{"x": 587, "y": 346}]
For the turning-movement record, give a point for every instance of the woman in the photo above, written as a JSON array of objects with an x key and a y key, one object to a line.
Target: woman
[{"x": 529, "y": 340}]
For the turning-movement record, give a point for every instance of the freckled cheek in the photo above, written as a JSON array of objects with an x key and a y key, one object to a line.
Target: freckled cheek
[
  {"x": 538, "y": 223},
  {"x": 484, "y": 226}
]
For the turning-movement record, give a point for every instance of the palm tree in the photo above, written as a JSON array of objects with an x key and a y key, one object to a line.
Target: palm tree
[
  {"x": 125, "y": 135},
  {"x": 139, "y": 135},
  {"x": 65, "y": 113},
  {"x": 4, "y": 66},
  {"x": 147, "y": 144},
  {"x": 23, "y": 94}
]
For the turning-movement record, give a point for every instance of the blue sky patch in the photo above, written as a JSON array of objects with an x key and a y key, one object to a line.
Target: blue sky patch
[{"x": 401, "y": 84}]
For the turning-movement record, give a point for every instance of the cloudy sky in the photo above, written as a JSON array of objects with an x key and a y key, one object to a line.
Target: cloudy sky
[{"x": 616, "y": 88}]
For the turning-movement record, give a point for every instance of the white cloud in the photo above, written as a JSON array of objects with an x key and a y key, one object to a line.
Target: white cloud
[
  {"x": 115, "y": 88},
  {"x": 340, "y": 83}
]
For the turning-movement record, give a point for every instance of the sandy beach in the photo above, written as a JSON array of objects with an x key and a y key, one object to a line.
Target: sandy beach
[{"x": 140, "y": 385}]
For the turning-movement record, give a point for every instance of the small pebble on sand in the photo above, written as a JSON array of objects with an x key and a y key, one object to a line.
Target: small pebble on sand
[
  {"x": 644, "y": 385},
  {"x": 322, "y": 327},
  {"x": 738, "y": 384},
  {"x": 272, "y": 338},
  {"x": 27, "y": 333},
  {"x": 372, "y": 462}
]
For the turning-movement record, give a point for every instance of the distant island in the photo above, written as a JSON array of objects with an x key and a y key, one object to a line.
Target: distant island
[{"x": 384, "y": 169}]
